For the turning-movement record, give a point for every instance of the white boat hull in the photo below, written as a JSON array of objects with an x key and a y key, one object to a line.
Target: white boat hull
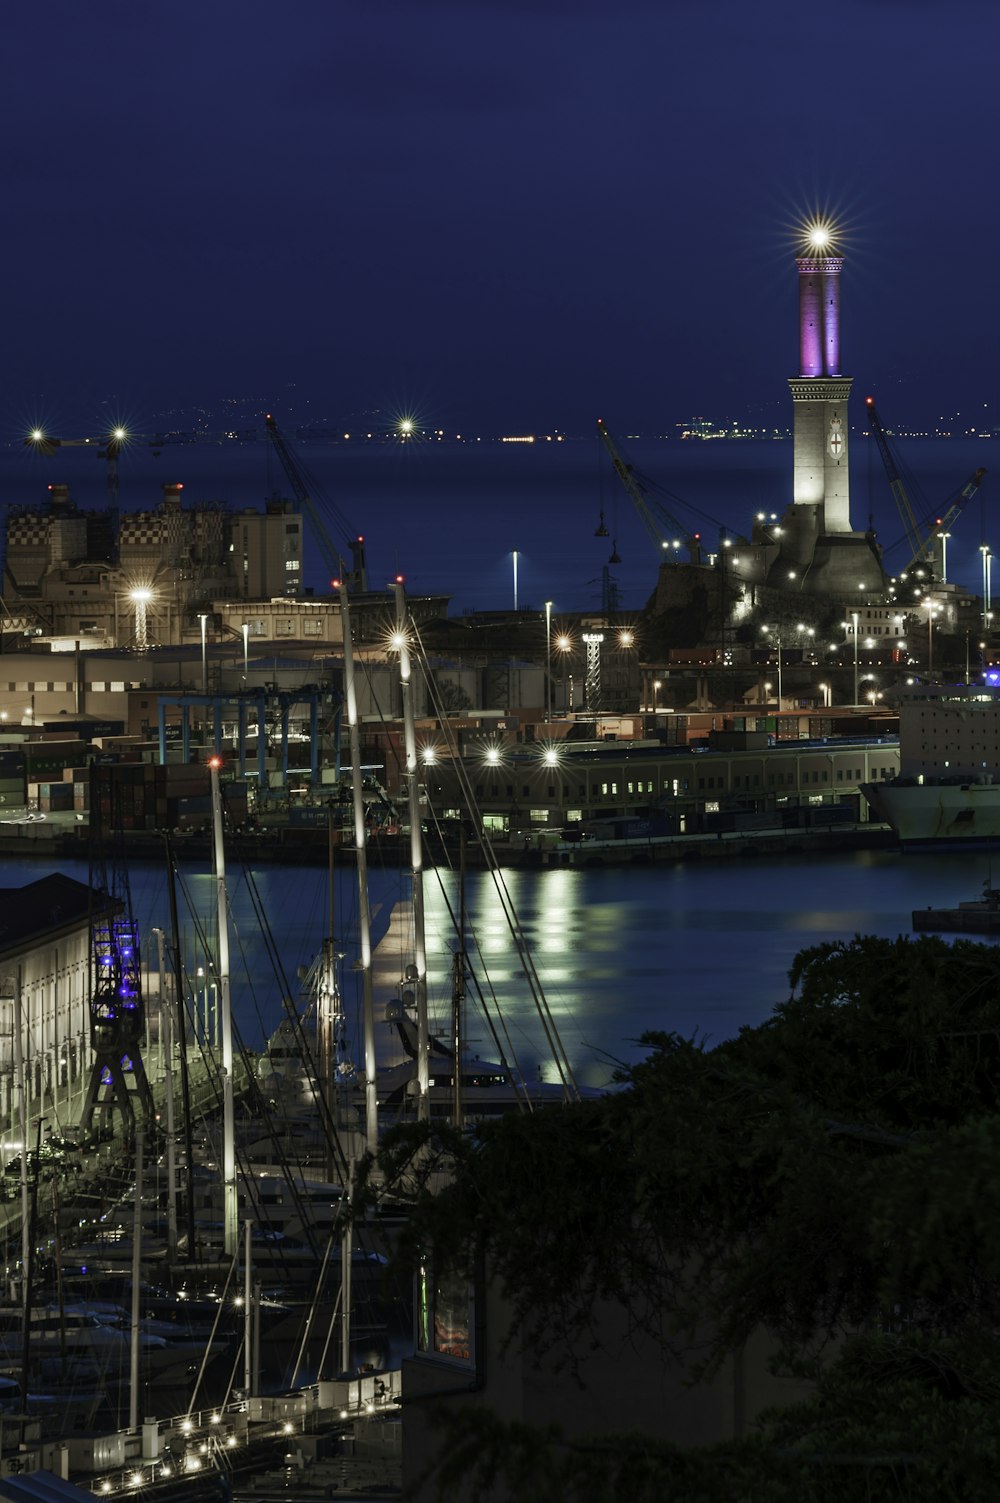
[{"x": 938, "y": 813}]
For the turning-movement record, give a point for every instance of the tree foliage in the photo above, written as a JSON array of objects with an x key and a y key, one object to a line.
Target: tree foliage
[{"x": 829, "y": 1173}]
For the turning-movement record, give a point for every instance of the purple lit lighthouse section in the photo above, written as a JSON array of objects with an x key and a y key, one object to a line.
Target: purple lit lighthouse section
[
  {"x": 819, "y": 315},
  {"x": 832, "y": 267}
]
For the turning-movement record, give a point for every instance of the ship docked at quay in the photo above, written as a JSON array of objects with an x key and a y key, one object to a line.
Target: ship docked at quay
[{"x": 948, "y": 788}]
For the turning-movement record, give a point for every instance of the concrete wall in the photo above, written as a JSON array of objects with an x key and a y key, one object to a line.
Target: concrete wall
[{"x": 621, "y": 1380}]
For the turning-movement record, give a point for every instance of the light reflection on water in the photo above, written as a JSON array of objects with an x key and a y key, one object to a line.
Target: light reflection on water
[{"x": 700, "y": 949}]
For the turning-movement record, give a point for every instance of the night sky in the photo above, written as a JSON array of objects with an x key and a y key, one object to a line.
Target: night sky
[{"x": 498, "y": 217}]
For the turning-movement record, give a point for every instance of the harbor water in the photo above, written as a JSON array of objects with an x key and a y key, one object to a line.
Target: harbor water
[
  {"x": 450, "y": 515},
  {"x": 701, "y": 948}
]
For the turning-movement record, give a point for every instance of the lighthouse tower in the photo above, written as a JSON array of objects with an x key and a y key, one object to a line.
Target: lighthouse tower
[
  {"x": 812, "y": 549},
  {"x": 820, "y": 392}
]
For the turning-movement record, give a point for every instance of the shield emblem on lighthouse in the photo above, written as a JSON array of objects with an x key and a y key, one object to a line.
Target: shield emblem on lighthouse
[{"x": 835, "y": 443}]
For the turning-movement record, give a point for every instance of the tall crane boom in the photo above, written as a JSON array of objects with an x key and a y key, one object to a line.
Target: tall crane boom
[
  {"x": 913, "y": 539},
  {"x": 964, "y": 496},
  {"x": 923, "y": 545},
  {"x": 663, "y": 528},
  {"x": 357, "y": 577}
]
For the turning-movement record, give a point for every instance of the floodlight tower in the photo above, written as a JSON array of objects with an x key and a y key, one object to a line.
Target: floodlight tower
[
  {"x": 592, "y": 692},
  {"x": 820, "y": 391}
]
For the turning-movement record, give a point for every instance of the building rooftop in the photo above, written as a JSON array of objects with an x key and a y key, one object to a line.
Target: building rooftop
[{"x": 50, "y": 903}]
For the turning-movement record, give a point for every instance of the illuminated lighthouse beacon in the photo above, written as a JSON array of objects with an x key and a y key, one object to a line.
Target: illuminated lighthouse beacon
[{"x": 813, "y": 548}]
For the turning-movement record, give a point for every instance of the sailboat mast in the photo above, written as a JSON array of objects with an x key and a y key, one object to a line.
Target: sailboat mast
[
  {"x": 329, "y": 1012},
  {"x": 178, "y": 974},
  {"x": 230, "y": 1228},
  {"x": 458, "y": 988},
  {"x": 134, "y": 1326},
  {"x": 20, "y": 1088},
  {"x": 401, "y": 641},
  {"x": 361, "y": 851},
  {"x": 167, "y": 1040},
  {"x": 29, "y": 1268}
]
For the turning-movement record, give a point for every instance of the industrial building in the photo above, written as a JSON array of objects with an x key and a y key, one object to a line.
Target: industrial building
[
  {"x": 170, "y": 565},
  {"x": 45, "y": 964}
]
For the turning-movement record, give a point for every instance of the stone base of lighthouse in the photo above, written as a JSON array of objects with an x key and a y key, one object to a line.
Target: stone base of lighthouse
[
  {"x": 821, "y": 474},
  {"x": 798, "y": 555}
]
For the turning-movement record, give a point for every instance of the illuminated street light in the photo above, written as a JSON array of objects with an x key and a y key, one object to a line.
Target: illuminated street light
[
  {"x": 204, "y": 652},
  {"x": 564, "y": 645},
  {"x": 807, "y": 637},
  {"x": 854, "y": 620},
  {"x": 777, "y": 638},
  {"x": 140, "y": 598},
  {"x": 932, "y": 611}
]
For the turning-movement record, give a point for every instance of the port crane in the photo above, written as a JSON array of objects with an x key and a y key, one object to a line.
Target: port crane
[
  {"x": 357, "y": 578},
  {"x": 107, "y": 446},
  {"x": 118, "y": 1080},
  {"x": 923, "y": 546},
  {"x": 664, "y": 529}
]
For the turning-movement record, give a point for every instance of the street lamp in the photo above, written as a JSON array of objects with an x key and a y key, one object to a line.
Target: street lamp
[
  {"x": 514, "y": 556},
  {"x": 777, "y": 638},
  {"x": 854, "y": 621},
  {"x": 564, "y": 644},
  {"x": 806, "y": 633},
  {"x": 204, "y": 652},
  {"x": 931, "y": 613},
  {"x": 548, "y": 660},
  {"x": 944, "y": 536},
  {"x": 825, "y": 690},
  {"x": 657, "y": 684},
  {"x": 984, "y": 549},
  {"x": 245, "y": 629}
]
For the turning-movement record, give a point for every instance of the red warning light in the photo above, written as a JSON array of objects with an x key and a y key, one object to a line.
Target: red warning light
[
  {"x": 400, "y": 578},
  {"x": 334, "y": 584},
  {"x": 869, "y": 401},
  {"x": 215, "y": 763}
]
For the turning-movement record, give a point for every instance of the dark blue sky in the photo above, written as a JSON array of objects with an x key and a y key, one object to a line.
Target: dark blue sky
[{"x": 499, "y": 216}]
